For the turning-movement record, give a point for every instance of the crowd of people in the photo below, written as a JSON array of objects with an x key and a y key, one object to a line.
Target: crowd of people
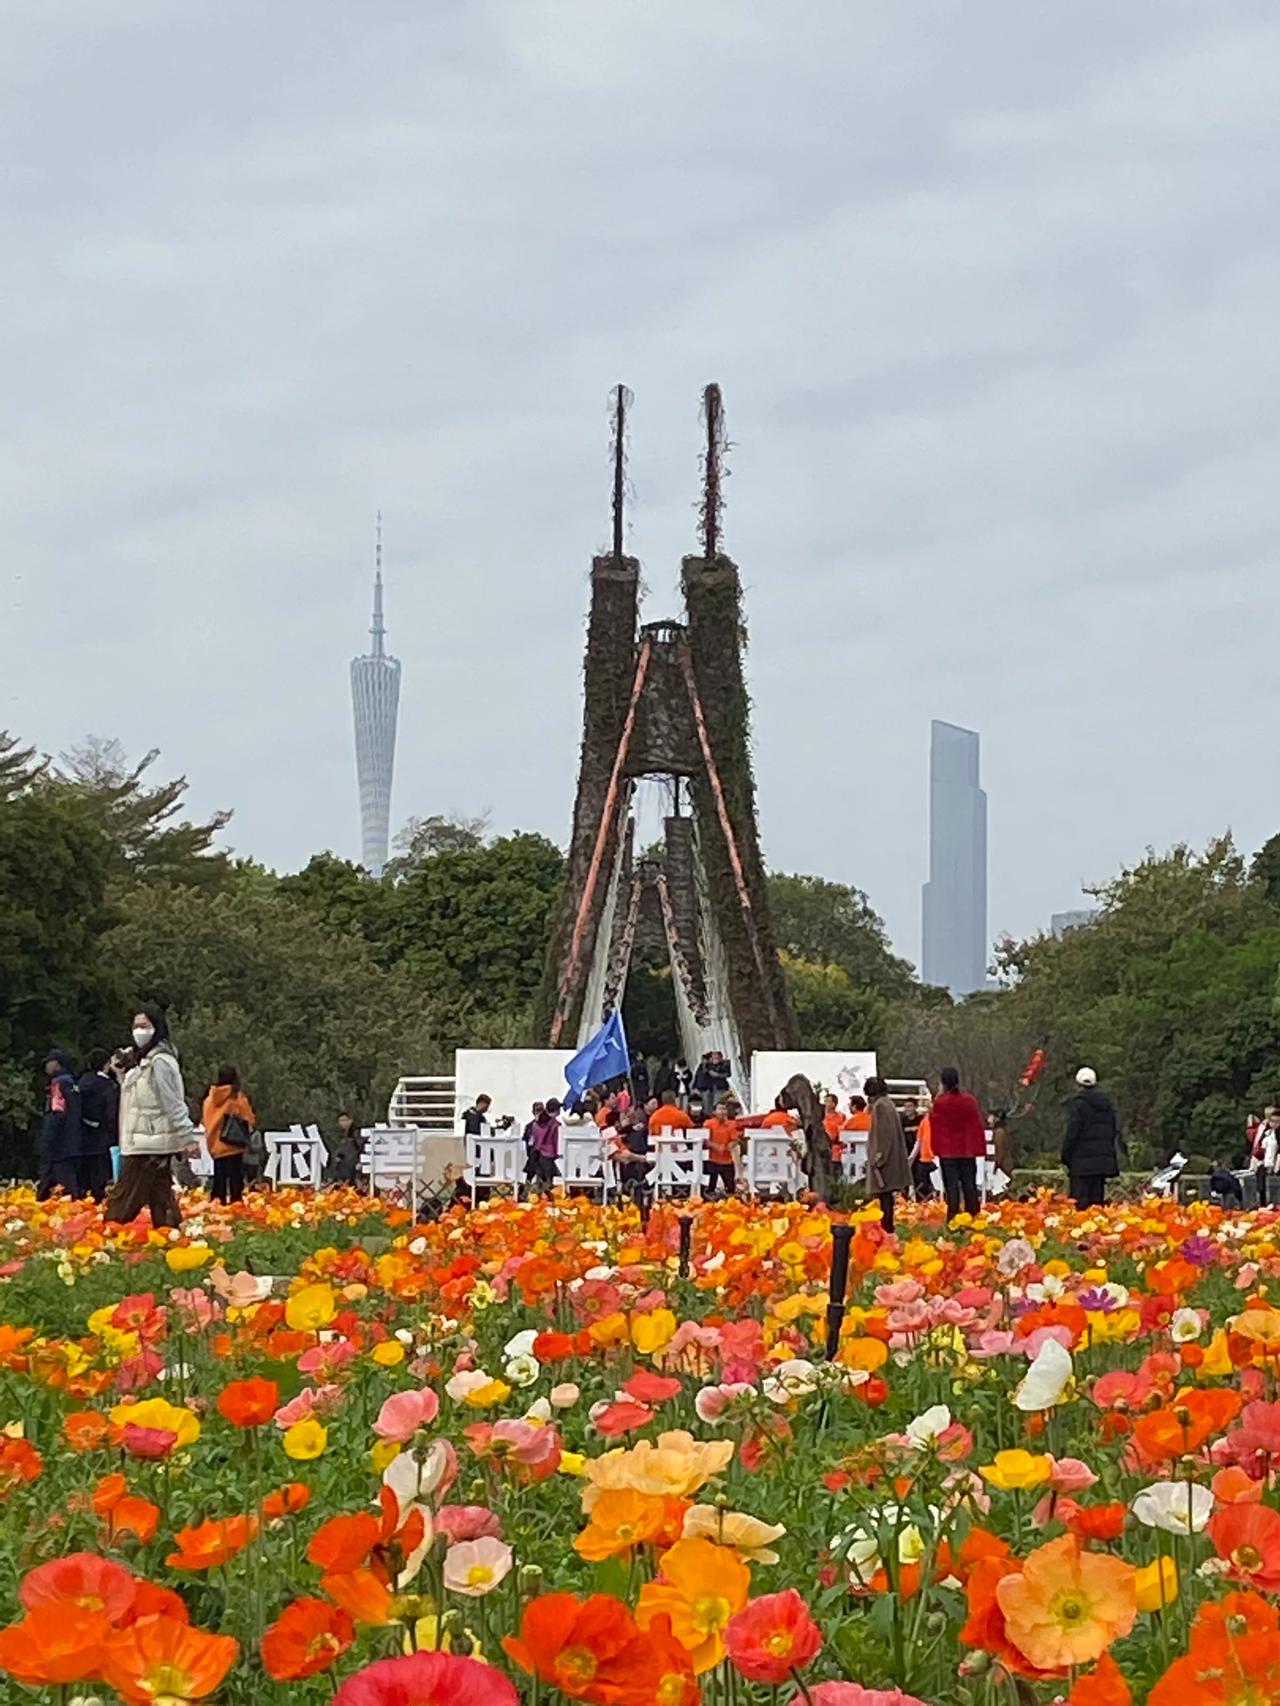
[
  {"x": 907, "y": 1145},
  {"x": 130, "y": 1104},
  {"x": 121, "y": 1131}
]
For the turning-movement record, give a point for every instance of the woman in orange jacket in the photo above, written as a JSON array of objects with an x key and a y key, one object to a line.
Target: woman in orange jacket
[{"x": 228, "y": 1119}]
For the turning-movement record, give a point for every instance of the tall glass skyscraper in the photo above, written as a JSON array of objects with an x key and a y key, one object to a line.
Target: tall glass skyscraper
[
  {"x": 375, "y": 698},
  {"x": 955, "y": 897}
]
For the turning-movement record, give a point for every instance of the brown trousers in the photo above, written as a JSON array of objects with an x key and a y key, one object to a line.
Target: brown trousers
[{"x": 146, "y": 1181}]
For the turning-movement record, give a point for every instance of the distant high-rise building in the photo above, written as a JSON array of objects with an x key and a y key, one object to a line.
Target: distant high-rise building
[
  {"x": 375, "y": 698},
  {"x": 955, "y": 897},
  {"x": 1061, "y": 922}
]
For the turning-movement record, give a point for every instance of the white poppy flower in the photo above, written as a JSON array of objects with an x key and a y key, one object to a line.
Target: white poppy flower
[{"x": 1177, "y": 1507}]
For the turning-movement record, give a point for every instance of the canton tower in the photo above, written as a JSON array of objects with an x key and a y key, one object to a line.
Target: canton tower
[{"x": 375, "y": 699}]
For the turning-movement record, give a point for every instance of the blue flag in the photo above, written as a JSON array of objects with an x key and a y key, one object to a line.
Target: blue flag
[{"x": 605, "y": 1056}]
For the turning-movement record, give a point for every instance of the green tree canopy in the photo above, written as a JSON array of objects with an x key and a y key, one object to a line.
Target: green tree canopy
[{"x": 832, "y": 924}]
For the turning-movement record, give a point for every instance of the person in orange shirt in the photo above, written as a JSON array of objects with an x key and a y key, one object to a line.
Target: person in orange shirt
[
  {"x": 229, "y": 1120},
  {"x": 724, "y": 1134},
  {"x": 833, "y": 1120},
  {"x": 666, "y": 1116},
  {"x": 922, "y": 1156},
  {"x": 780, "y": 1118}
]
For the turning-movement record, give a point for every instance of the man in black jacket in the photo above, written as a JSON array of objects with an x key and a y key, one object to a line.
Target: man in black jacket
[
  {"x": 1090, "y": 1150},
  {"x": 60, "y": 1128},
  {"x": 99, "y": 1125}
]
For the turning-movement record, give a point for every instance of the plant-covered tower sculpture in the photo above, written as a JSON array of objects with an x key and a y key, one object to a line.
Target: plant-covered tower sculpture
[{"x": 668, "y": 700}]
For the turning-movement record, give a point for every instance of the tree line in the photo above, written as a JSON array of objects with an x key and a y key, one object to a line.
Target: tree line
[{"x": 323, "y": 985}]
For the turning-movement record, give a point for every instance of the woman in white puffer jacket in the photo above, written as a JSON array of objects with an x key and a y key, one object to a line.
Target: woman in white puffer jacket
[{"x": 155, "y": 1125}]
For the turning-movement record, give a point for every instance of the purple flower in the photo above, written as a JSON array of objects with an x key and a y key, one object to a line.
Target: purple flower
[{"x": 1199, "y": 1251}]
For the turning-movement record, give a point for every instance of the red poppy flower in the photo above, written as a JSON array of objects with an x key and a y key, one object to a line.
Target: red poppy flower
[
  {"x": 1097, "y": 1522},
  {"x": 81, "y": 1579},
  {"x": 151, "y": 1600},
  {"x": 151, "y": 1444},
  {"x": 621, "y": 1417},
  {"x": 649, "y": 1388},
  {"x": 427, "y": 1679},
  {"x": 249, "y": 1403},
  {"x": 306, "y": 1638},
  {"x": 771, "y": 1637},
  {"x": 1248, "y": 1537}
]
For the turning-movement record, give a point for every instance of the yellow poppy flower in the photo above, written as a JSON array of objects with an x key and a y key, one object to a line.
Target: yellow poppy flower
[
  {"x": 310, "y": 1309},
  {"x": 388, "y": 1353},
  {"x": 159, "y": 1413},
  {"x": 1157, "y": 1584},
  {"x": 651, "y": 1332},
  {"x": 1013, "y": 1470},
  {"x": 305, "y": 1440},
  {"x": 186, "y": 1258}
]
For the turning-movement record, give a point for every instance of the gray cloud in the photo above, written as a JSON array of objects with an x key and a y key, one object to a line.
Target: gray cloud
[{"x": 990, "y": 290}]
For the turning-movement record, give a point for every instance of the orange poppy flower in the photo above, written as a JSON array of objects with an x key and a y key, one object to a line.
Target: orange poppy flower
[
  {"x": 1248, "y": 1537},
  {"x": 700, "y": 1586},
  {"x": 85, "y": 1430},
  {"x": 1104, "y": 1686},
  {"x": 364, "y": 1597},
  {"x": 55, "y": 1644},
  {"x": 249, "y": 1403},
  {"x": 344, "y": 1542},
  {"x": 305, "y": 1639},
  {"x": 1232, "y": 1486},
  {"x": 81, "y": 1579},
  {"x": 19, "y": 1462},
  {"x": 588, "y": 1649},
  {"x": 288, "y": 1500},
  {"x": 208, "y": 1544},
  {"x": 1181, "y": 1427},
  {"x": 621, "y": 1519},
  {"x": 1068, "y": 1605},
  {"x": 1233, "y": 1658},
  {"x": 161, "y": 1659},
  {"x": 984, "y": 1628}
]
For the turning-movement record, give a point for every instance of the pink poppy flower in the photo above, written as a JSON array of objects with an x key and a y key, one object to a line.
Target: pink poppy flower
[
  {"x": 444, "y": 1679},
  {"x": 847, "y": 1694},
  {"x": 152, "y": 1443},
  {"x": 1070, "y": 1475},
  {"x": 712, "y": 1401},
  {"x": 404, "y": 1413},
  {"x": 468, "y": 1522}
]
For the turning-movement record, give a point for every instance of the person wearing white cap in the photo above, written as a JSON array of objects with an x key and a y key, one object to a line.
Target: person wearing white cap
[{"x": 1091, "y": 1148}]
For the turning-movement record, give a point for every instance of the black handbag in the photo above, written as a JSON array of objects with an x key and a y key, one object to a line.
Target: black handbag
[{"x": 235, "y": 1133}]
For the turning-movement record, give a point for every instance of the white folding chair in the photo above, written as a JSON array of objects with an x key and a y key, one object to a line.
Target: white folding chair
[
  {"x": 771, "y": 1164},
  {"x": 202, "y": 1162},
  {"x": 295, "y": 1158},
  {"x": 853, "y": 1162},
  {"x": 390, "y": 1161},
  {"x": 495, "y": 1161},
  {"x": 584, "y": 1166},
  {"x": 677, "y": 1162}
]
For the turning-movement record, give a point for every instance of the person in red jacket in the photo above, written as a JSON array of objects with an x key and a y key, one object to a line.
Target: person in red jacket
[{"x": 959, "y": 1135}]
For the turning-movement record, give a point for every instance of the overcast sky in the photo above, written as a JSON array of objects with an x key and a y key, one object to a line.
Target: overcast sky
[{"x": 993, "y": 292}]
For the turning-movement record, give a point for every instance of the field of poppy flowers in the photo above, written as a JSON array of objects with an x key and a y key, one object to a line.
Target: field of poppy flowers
[{"x": 304, "y": 1450}]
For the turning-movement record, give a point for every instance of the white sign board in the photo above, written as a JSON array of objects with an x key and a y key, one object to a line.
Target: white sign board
[
  {"x": 515, "y": 1078},
  {"x": 842, "y": 1071}
]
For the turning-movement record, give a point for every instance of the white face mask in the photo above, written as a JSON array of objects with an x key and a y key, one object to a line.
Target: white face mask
[{"x": 142, "y": 1036}]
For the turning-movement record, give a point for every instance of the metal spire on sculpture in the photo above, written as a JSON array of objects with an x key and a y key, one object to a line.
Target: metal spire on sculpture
[{"x": 375, "y": 700}]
